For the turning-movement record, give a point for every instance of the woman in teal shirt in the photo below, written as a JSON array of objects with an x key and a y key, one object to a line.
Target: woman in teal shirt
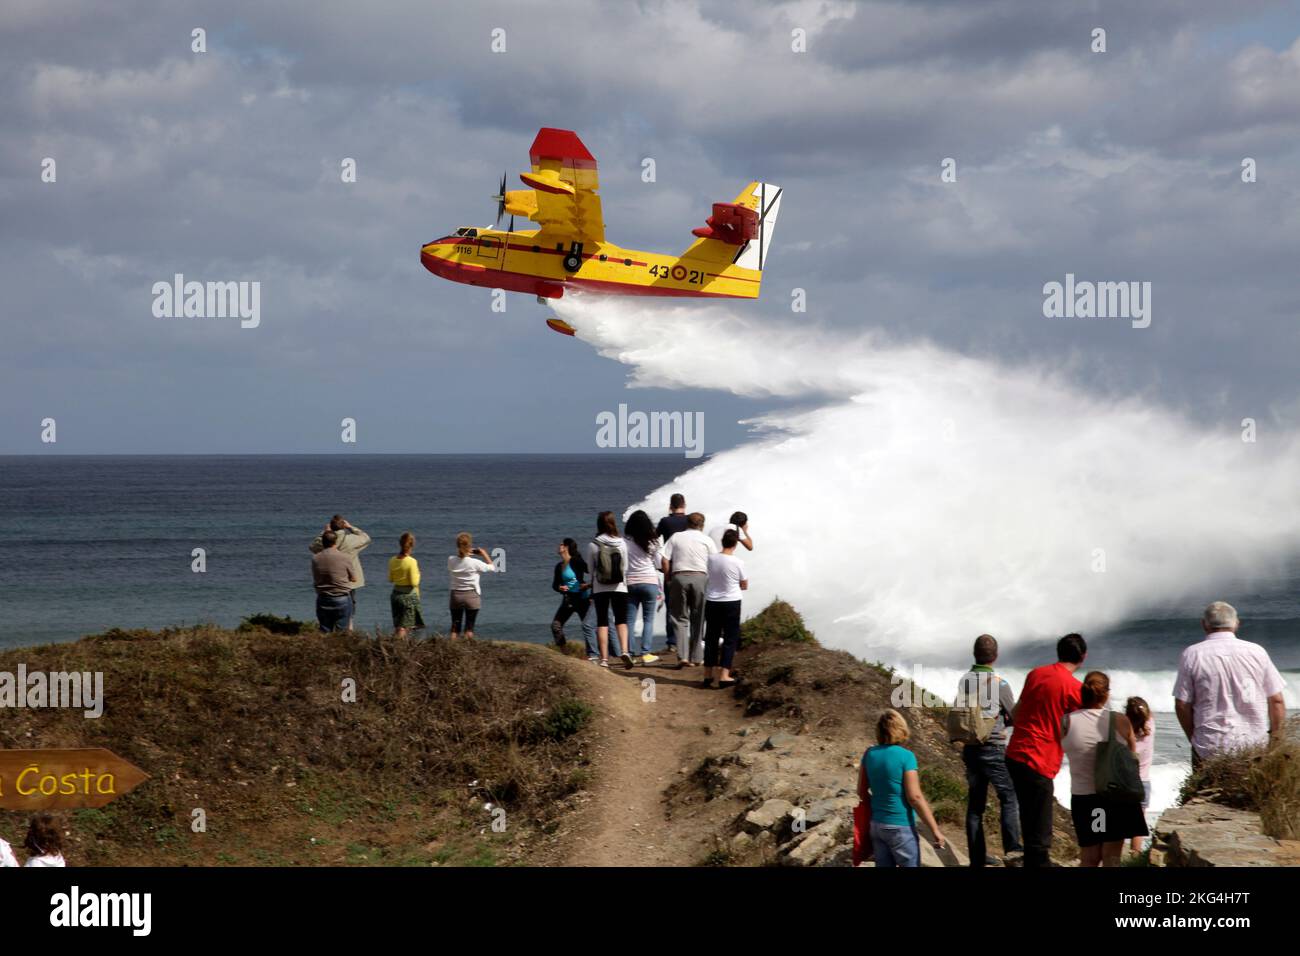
[{"x": 888, "y": 777}]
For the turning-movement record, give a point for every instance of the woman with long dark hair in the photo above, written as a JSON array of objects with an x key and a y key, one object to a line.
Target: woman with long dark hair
[
  {"x": 44, "y": 842},
  {"x": 643, "y": 592},
  {"x": 1138, "y": 712},
  {"x": 572, "y": 582}
]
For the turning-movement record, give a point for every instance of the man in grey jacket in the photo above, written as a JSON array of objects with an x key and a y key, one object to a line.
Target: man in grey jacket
[
  {"x": 986, "y": 763},
  {"x": 351, "y": 541}
]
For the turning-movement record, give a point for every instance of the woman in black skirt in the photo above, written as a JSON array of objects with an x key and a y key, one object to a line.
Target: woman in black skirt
[{"x": 1102, "y": 823}]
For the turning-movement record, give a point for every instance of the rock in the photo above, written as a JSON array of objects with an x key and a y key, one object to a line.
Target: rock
[
  {"x": 741, "y": 841},
  {"x": 1157, "y": 857},
  {"x": 771, "y": 814},
  {"x": 779, "y": 742},
  {"x": 759, "y": 761},
  {"x": 948, "y": 856},
  {"x": 768, "y": 785},
  {"x": 805, "y": 850},
  {"x": 841, "y": 855},
  {"x": 1201, "y": 833},
  {"x": 821, "y": 810},
  {"x": 744, "y": 731},
  {"x": 929, "y": 856}
]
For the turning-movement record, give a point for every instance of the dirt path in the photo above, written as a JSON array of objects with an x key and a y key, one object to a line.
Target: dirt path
[{"x": 648, "y": 736}]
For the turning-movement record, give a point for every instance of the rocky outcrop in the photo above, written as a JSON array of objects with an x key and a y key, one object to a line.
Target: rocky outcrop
[
  {"x": 1204, "y": 833},
  {"x": 798, "y": 794}
]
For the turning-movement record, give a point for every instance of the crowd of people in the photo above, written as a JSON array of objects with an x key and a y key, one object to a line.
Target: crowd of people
[
  {"x": 627, "y": 576},
  {"x": 44, "y": 844},
  {"x": 609, "y": 584},
  {"x": 337, "y": 576},
  {"x": 1228, "y": 696}
]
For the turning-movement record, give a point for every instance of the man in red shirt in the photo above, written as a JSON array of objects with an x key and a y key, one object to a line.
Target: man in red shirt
[{"x": 1034, "y": 754}]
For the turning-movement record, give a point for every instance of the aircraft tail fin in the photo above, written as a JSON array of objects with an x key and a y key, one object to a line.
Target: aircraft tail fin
[{"x": 740, "y": 232}]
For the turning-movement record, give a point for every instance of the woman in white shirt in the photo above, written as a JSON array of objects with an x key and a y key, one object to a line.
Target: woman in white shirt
[
  {"x": 1102, "y": 824},
  {"x": 7, "y": 857},
  {"x": 722, "y": 598},
  {"x": 466, "y": 597},
  {"x": 609, "y": 585},
  {"x": 643, "y": 592},
  {"x": 44, "y": 842}
]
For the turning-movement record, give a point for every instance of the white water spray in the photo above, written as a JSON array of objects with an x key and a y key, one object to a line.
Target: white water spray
[{"x": 928, "y": 497}]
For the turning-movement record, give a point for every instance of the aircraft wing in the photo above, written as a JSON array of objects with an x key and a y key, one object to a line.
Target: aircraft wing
[{"x": 563, "y": 198}]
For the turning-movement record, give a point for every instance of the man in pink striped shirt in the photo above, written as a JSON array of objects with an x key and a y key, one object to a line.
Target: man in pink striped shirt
[{"x": 1228, "y": 694}]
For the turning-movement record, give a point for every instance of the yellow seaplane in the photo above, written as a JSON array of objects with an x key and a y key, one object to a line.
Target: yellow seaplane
[{"x": 569, "y": 249}]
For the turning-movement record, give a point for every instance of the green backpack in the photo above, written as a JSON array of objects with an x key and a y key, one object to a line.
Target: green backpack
[
  {"x": 1116, "y": 775},
  {"x": 967, "y": 722}
]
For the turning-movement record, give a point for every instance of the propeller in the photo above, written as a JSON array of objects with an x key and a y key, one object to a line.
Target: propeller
[{"x": 500, "y": 197}]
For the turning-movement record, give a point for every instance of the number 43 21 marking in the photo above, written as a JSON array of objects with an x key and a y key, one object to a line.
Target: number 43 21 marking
[{"x": 680, "y": 273}]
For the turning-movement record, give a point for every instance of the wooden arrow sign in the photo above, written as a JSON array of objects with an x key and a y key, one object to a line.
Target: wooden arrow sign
[{"x": 64, "y": 779}]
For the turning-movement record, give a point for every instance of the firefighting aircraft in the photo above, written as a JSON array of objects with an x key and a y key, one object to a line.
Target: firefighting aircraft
[{"x": 569, "y": 249}]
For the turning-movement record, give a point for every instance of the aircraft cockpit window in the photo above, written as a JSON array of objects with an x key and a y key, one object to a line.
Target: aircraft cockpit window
[{"x": 467, "y": 232}]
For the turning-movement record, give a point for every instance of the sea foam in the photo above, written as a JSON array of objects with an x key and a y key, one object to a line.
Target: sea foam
[{"x": 917, "y": 497}]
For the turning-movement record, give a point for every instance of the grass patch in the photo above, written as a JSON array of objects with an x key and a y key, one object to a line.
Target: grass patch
[
  {"x": 778, "y": 622},
  {"x": 565, "y": 718},
  {"x": 946, "y": 794},
  {"x": 277, "y": 625}
]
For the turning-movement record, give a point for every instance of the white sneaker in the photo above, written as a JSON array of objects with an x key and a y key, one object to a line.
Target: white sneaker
[{"x": 604, "y": 663}]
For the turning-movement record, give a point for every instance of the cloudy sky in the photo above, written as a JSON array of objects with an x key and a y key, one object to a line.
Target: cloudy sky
[{"x": 1122, "y": 165}]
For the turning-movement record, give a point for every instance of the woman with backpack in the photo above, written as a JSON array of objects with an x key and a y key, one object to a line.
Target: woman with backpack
[
  {"x": 1091, "y": 737},
  {"x": 607, "y": 557}
]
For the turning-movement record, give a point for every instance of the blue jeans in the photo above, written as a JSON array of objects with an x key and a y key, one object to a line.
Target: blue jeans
[
  {"x": 987, "y": 764},
  {"x": 644, "y": 597},
  {"x": 895, "y": 845},
  {"x": 333, "y": 612}
]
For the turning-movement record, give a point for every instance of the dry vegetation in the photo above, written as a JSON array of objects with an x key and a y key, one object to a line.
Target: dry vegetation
[
  {"x": 1263, "y": 779},
  {"x": 251, "y": 726}
]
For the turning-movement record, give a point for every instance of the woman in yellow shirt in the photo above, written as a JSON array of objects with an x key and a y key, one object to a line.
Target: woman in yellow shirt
[{"x": 404, "y": 573}]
